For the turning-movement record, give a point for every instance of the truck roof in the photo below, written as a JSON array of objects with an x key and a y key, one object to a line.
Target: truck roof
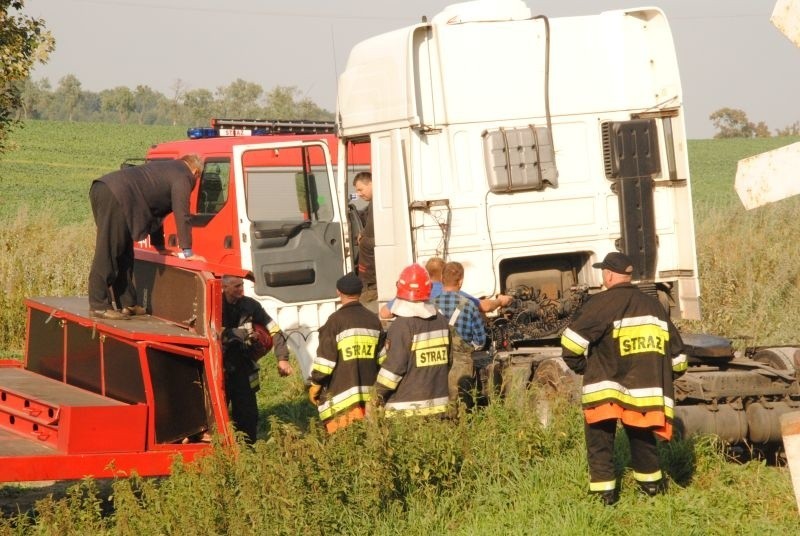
[{"x": 222, "y": 146}]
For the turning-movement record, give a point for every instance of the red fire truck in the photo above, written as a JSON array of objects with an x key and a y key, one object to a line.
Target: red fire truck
[
  {"x": 267, "y": 207},
  {"x": 105, "y": 398}
]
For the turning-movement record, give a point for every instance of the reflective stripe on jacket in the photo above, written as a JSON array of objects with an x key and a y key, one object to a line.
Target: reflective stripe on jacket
[
  {"x": 632, "y": 349},
  {"x": 349, "y": 353},
  {"x": 413, "y": 379}
]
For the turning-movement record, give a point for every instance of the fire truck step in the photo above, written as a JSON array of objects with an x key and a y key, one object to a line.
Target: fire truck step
[
  {"x": 13, "y": 444},
  {"x": 67, "y": 418}
]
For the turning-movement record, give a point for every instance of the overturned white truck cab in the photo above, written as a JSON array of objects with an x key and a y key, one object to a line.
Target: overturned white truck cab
[{"x": 528, "y": 148}]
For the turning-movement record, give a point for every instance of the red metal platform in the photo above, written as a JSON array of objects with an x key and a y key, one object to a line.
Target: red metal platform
[
  {"x": 51, "y": 430},
  {"x": 105, "y": 398}
]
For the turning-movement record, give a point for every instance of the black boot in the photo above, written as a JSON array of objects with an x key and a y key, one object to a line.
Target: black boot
[
  {"x": 608, "y": 497},
  {"x": 653, "y": 488}
]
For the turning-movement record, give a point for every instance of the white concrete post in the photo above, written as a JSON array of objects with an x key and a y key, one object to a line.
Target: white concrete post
[{"x": 790, "y": 430}]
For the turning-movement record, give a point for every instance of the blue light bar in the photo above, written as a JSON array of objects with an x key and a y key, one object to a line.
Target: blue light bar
[{"x": 201, "y": 132}]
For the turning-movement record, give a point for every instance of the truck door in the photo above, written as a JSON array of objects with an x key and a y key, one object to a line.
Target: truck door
[{"x": 290, "y": 223}]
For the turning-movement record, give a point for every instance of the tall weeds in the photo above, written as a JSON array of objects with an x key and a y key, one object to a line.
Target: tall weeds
[
  {"x": 39, "y": 256},
  {"x": 749, "y": 264},
  {"x": 497, "y": 471}
]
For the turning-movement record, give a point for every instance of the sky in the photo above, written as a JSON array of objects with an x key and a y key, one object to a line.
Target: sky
[{"x": 729, "y": 53}]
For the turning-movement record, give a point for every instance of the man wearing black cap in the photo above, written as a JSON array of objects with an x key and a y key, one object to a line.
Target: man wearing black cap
[
  {"x": 349, "y": 354},
  {"x": 628, "y": 350}
]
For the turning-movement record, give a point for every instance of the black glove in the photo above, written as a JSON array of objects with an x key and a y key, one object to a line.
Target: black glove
[
  {"x": 235, "y": 337},
  {"x": 576, "y": 363}
]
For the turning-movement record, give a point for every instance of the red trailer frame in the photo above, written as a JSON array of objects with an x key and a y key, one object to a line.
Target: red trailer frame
[{"x": 105, "y": 398}]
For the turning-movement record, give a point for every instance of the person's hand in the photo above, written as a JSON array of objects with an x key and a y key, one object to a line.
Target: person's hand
[
  {"x": 384, "y": 313},
  {"x": 284, "y": 368},
  {"x": 198, "y": 258},
  {"x": 504, "y": 299},
  {"x": 314, "y": 392}
]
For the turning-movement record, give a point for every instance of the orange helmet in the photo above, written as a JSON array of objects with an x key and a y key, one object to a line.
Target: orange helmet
[{"x": 414, "y": 284}]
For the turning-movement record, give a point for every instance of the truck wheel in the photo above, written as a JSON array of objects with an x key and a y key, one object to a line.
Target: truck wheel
[
  {"x": 665, "y": 300},
  {"x": 779, "y": 358}
]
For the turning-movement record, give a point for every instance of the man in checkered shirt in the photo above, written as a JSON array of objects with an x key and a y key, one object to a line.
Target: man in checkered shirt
[{"x": 466, "y": 320}]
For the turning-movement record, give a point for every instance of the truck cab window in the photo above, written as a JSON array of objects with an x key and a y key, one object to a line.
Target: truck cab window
[
  {"x": 213, "y": 191},
  {"x": 289, "y": 194}
]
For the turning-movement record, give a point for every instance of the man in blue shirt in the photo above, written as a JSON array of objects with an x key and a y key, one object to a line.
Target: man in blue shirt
[
  {"x": 434, "y": 266},
  {"x": 459, "y": 307},
  {"x": 466, "y": 320}
]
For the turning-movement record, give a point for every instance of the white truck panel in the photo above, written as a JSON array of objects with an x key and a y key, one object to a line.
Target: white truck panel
[
  {"x": 786, "y": 18},
  {"x": 767, "y": 177},
  {"x": 480, "y": 67},
  {"x": 619, "y": 60}
]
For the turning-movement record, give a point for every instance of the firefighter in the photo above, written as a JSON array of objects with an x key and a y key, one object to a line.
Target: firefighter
[
  {"x": 248, "y": 335},
  {"x": 128, "y": 205},
  {"x": 349, "y": 354},
  {"x": 628, "y": 350},
  {"x": 468, "y": 331},
  {"x": 434, "y": 267},
  {"x": 413, "y": 379}
]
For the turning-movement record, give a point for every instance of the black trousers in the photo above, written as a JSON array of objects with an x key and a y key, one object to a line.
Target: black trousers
[
  {"x": 112, "y": 265},
  {"x": 600, "y": 453},
  {"x": 240, "y": 394}
]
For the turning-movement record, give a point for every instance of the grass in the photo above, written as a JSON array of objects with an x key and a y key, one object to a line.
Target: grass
[
  {"x": 497, "y": 471},
  {"x": 50, "y": 165},
  {"x": 712, "y": 164},
  {"x": 748, "y": 260},
  {"x": 46, "y": 230}
]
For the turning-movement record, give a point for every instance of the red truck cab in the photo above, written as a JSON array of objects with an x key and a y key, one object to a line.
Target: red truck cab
[
  {"x": 214, "y": 203},
  {"x": 268, "y": 207}
]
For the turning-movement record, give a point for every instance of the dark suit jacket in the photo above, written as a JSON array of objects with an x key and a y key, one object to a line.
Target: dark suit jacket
[{"x": 149, "y": 192}]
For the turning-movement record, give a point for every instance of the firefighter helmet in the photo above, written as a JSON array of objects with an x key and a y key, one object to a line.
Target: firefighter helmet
[{"x": 414, "y": 284}]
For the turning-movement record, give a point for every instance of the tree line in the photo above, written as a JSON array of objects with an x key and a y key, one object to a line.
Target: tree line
[
  {"x": 733, "y": 123},
  {"x": 25, "y": 41},
  {"x": 68, "y": 101}
]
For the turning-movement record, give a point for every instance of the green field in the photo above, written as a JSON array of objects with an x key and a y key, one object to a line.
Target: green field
[
  {"x": 493, "y": 472},
  {"x": 46, "y": 229},
  {"x": 712, "y": 164},
  {"x": 51, "y": 165}
]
